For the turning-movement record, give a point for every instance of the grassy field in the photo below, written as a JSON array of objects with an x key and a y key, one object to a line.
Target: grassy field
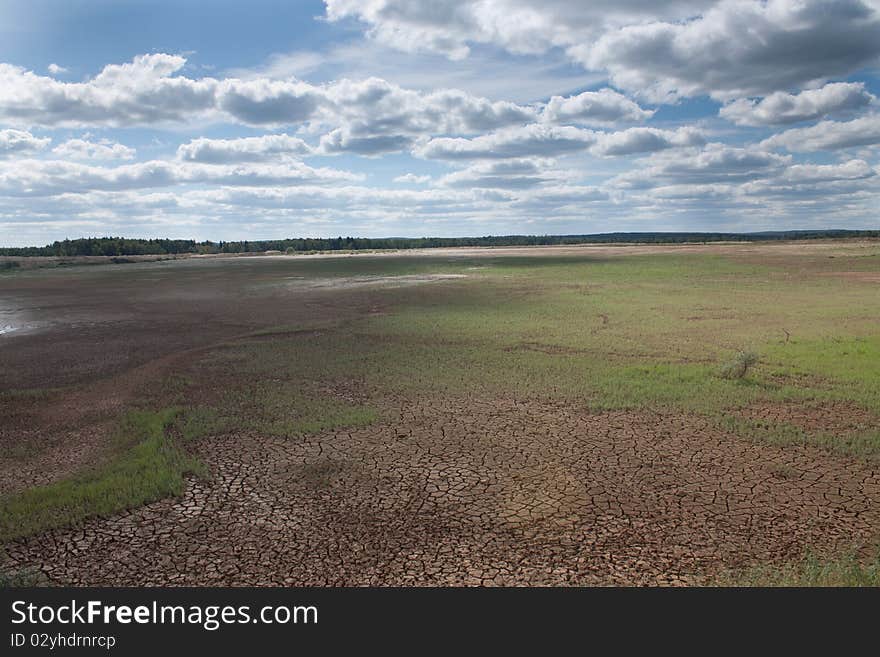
[
  {"x": 626, "y": 332},
  {"x": 649, "y": 331}
]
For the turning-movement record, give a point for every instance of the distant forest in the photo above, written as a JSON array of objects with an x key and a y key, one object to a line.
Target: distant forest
[{"x": 119, "y": 246}]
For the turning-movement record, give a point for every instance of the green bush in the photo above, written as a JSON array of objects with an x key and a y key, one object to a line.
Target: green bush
[{"x": 740, "y": 365}]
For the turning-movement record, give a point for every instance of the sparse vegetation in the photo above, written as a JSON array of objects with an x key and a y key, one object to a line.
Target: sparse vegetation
[
  {"x": 847, "y": 570},
  {"x": 739, "y": 367},
  {"x": 148, "y": 466},
  {"x": 21, "y": 578},
  {"x": 601, "y": 332}
]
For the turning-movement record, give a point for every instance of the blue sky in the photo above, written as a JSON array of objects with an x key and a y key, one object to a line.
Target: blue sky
[{"x": 228, "y": 120}]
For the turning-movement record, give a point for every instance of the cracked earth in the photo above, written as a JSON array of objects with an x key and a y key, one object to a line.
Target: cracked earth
[{"x": 478, "y": 492}]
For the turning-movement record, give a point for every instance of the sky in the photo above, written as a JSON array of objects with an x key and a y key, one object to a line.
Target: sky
[{"x": 230, "y": 120}]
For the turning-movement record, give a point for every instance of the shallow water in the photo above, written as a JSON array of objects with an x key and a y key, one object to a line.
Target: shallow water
[{"x": 381, "y": 281}]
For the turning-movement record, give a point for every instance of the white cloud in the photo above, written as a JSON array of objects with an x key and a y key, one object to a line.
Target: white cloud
[
  {"x": 139, "y": 92},
  {"x": 341, "y": 140},
  {"x": 604, "y": 107},
  {"x": 739, "y": 48},
  {"x": 84, "y": 149},
  {"x": 54, "y": 177},
  {"x": 148, "y": 90},
  {"x": 269, "y": 102},
  {"x": 645, "y": 140},
  {"x": 412, "y": 178},
  {"x": 534, "y": 140},
  {"x": 518, "y": 26},
  {"x": 781, "y": 108},
  {"x": 377, "y": 107},
  {"x": 20, "y": 142},
  {"x": 727, "y": 49},
  {"x": 506, "y": 174},
  {"x": 542, "y": 140},
  {"x": 715, "y": 163},
  {"x": 813, "y": 173},
  {"x": 55, "y": 69},
  {"x": 828, "y": 135},
  {"x": 246, "y": 149}
]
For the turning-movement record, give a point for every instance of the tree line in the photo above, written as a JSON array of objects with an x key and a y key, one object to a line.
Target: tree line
[{"x": 120, "y": 246}]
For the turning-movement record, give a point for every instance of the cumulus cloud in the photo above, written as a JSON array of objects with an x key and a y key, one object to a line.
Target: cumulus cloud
[
  {"x": 715, "y": 163},
  {"x": 781, "y": 108},
  {"x": 269, "y": 102},
  {"x": 817, "y": 184},
  {"x": 412, "y": 178},
  {"x": 542, "y": 140},
  {"x": 812, "y": 173},
  {"x": 603, "y": 107},
  {"x": 20, "y": 142},
  {"x": 534, "y": 140},
  {"x": 55, "y": 69},
  {"x": 150, "y": 90},
  {"x": 739, "y": 48},
  {"x": 54, "y": 177},
  {"x": 142, "y": 91},
  {"x": 767, "y": 61},
  {"x": 376, "y": 107},
  {"x": 727, "y": 49},
  {"x": 828, "y": 135},
  {"x": 341, "y": 140},
  {"x": 507, "y": 174},
  {"x": 519, "y": 26},
  {"x": 246, "y": 149},
  {"x": 645, "y": 140},
  {"x": 85, "y": 149}
]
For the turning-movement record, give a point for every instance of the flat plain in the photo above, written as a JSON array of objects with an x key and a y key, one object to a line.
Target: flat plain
[{"x": 508, "y": 416}]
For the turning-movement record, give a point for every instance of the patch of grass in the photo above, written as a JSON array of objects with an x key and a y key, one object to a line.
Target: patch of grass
[
  {"x": 148, "y": 467},
  {"x": 847, "y": 570},
  {"x": 195, "y": 423},
  {"x": 22, "y": 578},
  {"x": 35, "y": 394},
  {"x": 291, "y": 409},
  {"x": 851, "y": 363},
  {"x": 858, "y": 443}
]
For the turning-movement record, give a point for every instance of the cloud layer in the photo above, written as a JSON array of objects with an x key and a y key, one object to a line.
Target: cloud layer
[{"x": 690, "y": 114}]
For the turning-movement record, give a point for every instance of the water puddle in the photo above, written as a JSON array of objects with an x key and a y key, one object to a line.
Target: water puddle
[{"x": 362, "y": 281}]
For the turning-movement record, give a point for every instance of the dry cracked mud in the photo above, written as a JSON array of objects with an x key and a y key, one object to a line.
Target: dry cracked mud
[{"x": 478, "y": 492}]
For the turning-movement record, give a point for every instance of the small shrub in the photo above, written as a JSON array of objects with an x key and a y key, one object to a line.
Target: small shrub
[{"x": 740, "y": 365}]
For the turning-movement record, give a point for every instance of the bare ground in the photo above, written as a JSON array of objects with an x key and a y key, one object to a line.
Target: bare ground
[{"x": 505, "y": 492}]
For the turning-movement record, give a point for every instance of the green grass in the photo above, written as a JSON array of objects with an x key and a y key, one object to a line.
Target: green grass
[
  {"x": 621, "y": 332},
  {"x": 863, "y": 443},
  {"x": 811, "y": 571},
  {"x": 149, "y": 466},
  {"x": 291, "y": 409},
  {"x": 22, "y": 577}
]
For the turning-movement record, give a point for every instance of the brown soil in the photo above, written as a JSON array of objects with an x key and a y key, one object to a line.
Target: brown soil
[{"x": 470, "y": 491}]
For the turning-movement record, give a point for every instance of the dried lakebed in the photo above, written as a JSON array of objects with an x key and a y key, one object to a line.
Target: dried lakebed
[{"x": 469, "y": 491}]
